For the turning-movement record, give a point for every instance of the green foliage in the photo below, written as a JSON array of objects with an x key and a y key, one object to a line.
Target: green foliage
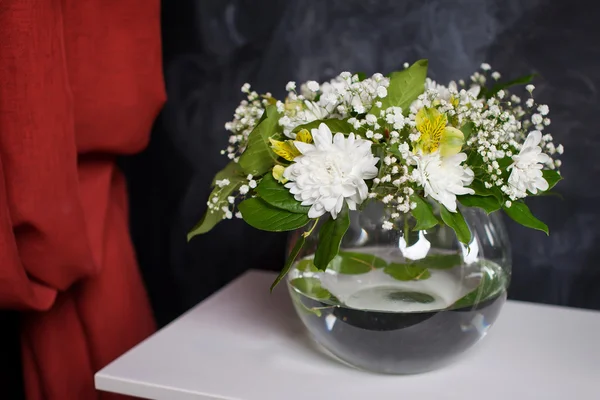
[
  {"x": 489, "y": 286},
  {"x": 335, "y": 125},
  {"x": 467, "y": 129},
  {"x": 423, "y": 213},
  {"x": 520, "y": 213},
  {"x": 290, "y": 260},
  {"x": 456, "y": 221},
  {"x": 330, "y": 237},
  {"x": 258, "y": 157},
  {"x": 552, "y": 177},
  {"x": 352, "y": 263},
  {"x": 407, "y": 272},
  {"x": 231, "y": 171},
  {"x": 306, "y": 265},
  {"x": 276, "y": 195},
  {"x": 259, "y": 214},
  {"x": 523, "y": 80},
  {"x": 405, "y": 86},
  {"x": 213, "y": 217},
  {"x": 311, "y": 287},
  {"x": 488, "y": 203}
]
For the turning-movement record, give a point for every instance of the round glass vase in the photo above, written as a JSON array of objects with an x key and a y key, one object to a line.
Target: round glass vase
[{"x": 400, "y": 301}]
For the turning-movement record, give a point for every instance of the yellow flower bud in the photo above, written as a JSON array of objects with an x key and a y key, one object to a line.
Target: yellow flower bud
[{"x": 278, "y": 173}]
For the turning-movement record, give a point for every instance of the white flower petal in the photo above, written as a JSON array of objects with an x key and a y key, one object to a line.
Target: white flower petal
[{"x": 331, "y": 172}]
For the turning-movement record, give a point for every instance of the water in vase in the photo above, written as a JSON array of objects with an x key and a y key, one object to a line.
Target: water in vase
[{"x": 393, "y": 317}]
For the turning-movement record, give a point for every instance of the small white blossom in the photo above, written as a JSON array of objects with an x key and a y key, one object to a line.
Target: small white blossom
[
  {"x": 543, "y": 109},
  {"x": 246, "y": 88},
  {"x": 560, "y": 149},
  {"x": 252, "y": 183},
  {"x": 313, "y": 86},
  {"x": 406, "y": 65},
  {"x": 371, "y": 119},
  {"x": 231, "y": 199},
  {"x": 496, "y": 75},
  {"x": 222, "y": 183},
  {"x": 238, "y": 215},
  {"x": 508, "y": 203},
  {"x": 291, "y": 86},
  {"x": 485, "y": 66},
  {"x": 381, "y": 92},
  {"x": 378, "y": 104},
  {"x": 529, "y": 103},
  {"x": 387, "y": 225},
  {"x": 529, "y": 88},
  {"x": 378, "y": 136},
  {"x": 244, "y": 189},
  {"x": 536, "y": 119}
]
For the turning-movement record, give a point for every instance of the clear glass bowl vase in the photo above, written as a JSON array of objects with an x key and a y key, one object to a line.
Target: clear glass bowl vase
[{"x": 403, "y": 302}]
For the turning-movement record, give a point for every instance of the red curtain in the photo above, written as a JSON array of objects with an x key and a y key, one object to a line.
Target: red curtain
[{"x": 80, "y": 83}]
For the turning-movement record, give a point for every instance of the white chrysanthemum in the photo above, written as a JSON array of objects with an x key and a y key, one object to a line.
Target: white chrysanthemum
[
  {"x": 443, "y": 178},
  {"x": 526, "y": 174},
  {"x": 331, "y": 171}
]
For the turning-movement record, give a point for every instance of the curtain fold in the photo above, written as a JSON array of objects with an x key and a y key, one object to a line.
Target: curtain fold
[{"x": 80, "y": 83}]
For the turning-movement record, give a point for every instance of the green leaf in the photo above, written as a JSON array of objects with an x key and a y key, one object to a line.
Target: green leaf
[
  {"x": 311, "y": 287},
  {"x": 407, "y": 272},
  {"x": 263, "y": 216},
  {"x": 467, "y": 129},
  {"x": 405, "y": 86},
  {"x": 423, "y": 213},
  {"x": 523, "y": 80},
  {"x": 480, "y": 188},
  {"x": 456, "y": 221},
  {"x": 352, "y": 263},
  {"x": 335, "y": 125},
  {"x": 488, "y": 203},
  {"x": 490, "y": 285},
  {"x": 439, "y": 261},
  {"x": 258, "y": 157},
  {"x": 330, "y": 237},
  {"x": 361, "y": 76},
  {"x": 290, "y": 260},
  {"x": 278, "y": 196},
  {"x": 231, "y": 171},
  {"x": 520, "y": 213},
  {"x": 213, "y": 217},
  {"x": 552, "y": 177},
  {"x": 411, "y": 297},
  {"x": 306, "y": 265}
]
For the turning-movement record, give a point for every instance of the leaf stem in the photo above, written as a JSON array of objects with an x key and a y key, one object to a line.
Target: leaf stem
[{"x": 307, "y": 233}]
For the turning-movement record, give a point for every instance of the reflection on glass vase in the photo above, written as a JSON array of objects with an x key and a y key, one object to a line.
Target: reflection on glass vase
[{"x": 403, "y": 302}]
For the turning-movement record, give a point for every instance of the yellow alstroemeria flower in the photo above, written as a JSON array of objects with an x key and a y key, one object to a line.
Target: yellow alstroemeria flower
[
  {"x": 436, "y": 135},
  {"x": 304, "y": 136},
  {"x": 278, "y": 173},
  {"x": 286, "y": 149}
]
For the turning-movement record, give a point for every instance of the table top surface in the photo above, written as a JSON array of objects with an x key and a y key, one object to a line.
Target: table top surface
[{"x": 246, "y": 344}]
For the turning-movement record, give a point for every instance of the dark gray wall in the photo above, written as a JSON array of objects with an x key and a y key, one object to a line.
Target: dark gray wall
[{"x": 213, "y": 47}]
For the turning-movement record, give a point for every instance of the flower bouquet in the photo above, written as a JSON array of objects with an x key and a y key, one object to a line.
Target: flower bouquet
[{"x": 412, "y": 168}]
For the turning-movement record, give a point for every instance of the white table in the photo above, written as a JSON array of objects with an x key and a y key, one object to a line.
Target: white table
[{"x": 245, "y": 344}]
